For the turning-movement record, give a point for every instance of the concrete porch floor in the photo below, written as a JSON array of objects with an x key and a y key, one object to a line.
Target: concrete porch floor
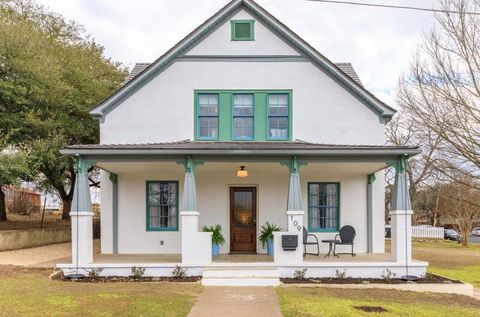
[{"x": 236, "y": 258}]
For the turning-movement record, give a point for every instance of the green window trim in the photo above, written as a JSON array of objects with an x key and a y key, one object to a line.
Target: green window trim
[
  {"x": 337, "y": 215},
  {"x": 235, "y": 24},
  {"x": 225, "y": 114},
  {"x": 147, "y": 203}
]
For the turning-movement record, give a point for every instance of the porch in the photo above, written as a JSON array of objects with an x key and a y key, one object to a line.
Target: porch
[{"x": 279, "y": 174}]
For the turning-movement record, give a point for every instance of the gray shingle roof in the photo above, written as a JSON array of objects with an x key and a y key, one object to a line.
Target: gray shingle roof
[{"x": 347, "y": 68}]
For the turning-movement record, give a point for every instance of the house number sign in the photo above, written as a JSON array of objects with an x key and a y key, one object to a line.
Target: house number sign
[{"x": 295, "y": 224}]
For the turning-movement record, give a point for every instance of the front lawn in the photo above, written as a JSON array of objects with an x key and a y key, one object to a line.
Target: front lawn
[
  {"x": 298, "y": 302},
  {"x": 29, "y": 292},
  {"x": 450, "y": 259}
]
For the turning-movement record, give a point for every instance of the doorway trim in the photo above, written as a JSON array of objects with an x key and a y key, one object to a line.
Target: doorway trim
[{"x": 230, "y": 216}]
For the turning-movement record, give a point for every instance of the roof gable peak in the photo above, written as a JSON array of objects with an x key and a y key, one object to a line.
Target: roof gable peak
[{"x": 334, "y": 71}]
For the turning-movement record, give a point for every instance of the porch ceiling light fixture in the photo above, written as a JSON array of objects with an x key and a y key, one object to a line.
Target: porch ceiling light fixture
[{"x": 242, "y": 172}]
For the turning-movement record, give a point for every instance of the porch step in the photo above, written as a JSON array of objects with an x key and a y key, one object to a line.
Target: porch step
[{"x": 240, "y": 277}]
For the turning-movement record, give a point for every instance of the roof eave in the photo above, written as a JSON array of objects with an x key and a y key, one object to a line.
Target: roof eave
[{"x": 227, "y": 152}]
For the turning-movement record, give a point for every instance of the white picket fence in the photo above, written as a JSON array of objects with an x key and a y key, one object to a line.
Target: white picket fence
[{"x": 427, "y": 232}]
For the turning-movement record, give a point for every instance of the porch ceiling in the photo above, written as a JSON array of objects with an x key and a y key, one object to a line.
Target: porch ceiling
[{"x": 254, "y": 168}]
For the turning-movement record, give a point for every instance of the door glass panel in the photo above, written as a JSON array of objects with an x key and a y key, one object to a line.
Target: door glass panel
[{"x": 242, "y": 208}]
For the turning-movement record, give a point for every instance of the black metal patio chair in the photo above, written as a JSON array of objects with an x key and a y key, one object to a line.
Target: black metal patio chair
[
  {"x": 347, "y": 237},
  {"x": 306, "y": 242}
]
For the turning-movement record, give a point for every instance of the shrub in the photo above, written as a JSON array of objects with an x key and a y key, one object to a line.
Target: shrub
[
  {"x": 300, "y": 274},
  {"x": 137, "y": 272},
  {"x": 94, "y": 272},
  {"x": 388, "y": 276},
  {"x": 179, "y": 272},
  {"x": 340, "y": 274},
  {"x": 22, "y": 204}
]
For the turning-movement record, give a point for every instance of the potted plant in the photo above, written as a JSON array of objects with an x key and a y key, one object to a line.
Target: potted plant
[
  {"x": 266, "y": 236},
  {"x": 217, "y": 237}
]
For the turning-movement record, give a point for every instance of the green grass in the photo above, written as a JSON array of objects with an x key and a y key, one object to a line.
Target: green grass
[
  {"x": 299, "y": 302},
  {"x": 450, "y": 259},
  {"x": 31, "y": 293},
  {"x": 469, "y": 274}
]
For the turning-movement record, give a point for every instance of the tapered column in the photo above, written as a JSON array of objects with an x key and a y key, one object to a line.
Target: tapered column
[
  {"x": 401, "y": 215},
  {"x": 295, "y": 214},
  {"x": 81, "y": 216},
  {"x": 196, "y": 246}
]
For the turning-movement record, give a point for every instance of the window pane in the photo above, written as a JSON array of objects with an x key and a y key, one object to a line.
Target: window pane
[
  {"x": 323, "y": 206},
  {"x": 243, "y": 105},
  {"x": 243, "y": 122},
  {"x": 278, "y": 127},
  {"x": 162, "y": 205},
  {"x": 278, "y": 116},
  {"x": 208, "y": 116},
  {"x": 242, "y": 30}
]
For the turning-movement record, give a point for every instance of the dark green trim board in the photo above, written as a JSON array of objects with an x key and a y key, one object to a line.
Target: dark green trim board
[
  {"x": 337, "y": 225},
  {"x": 294, "y": 164},
  {"x": 147, "y": 204},
  {"x": 370, "y": 179},
  {"x": 189, "y": 164},
  {"x": 225, "y": 114},
  {"x": 234, "y": 25},
  {"x": 114, "y": 179}
]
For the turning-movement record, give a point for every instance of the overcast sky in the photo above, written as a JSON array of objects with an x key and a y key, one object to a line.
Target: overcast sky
[{"x": 378, "y": 42}]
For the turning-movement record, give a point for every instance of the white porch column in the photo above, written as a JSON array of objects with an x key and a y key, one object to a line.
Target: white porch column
[
  {"x": 81, "y": 216},
  {"x": 196, "y": 246},
  {"x": 401, "y": 215},
  {"x": 370, "y": 180},
  {"x": 295, "y": 214}
]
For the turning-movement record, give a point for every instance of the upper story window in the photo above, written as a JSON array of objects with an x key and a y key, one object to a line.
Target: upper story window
[
  {"x": 243, "y": 117},
  {"x": 278, "y": 114},
  {"x": 208, "y": 116},
  {"x": 243, "y": 30}
]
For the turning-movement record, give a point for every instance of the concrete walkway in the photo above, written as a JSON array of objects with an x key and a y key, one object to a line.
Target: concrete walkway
[{"x": 237, "y": 301}]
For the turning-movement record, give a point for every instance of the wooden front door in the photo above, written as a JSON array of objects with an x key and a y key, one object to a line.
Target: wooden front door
[{"x": 243, "y": 219}]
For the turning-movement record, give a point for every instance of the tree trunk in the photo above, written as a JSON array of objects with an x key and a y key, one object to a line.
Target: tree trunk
[
  {"x": 466, "y": 235},
  {"x": 3, "y": 206},
  {"x": 67, "y": 207}
]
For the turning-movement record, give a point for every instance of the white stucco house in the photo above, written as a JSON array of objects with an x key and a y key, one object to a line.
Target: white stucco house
[{"x": 241, "y": 123}]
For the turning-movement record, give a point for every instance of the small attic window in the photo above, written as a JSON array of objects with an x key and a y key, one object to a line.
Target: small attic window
[{"x": 242, "y": 30}]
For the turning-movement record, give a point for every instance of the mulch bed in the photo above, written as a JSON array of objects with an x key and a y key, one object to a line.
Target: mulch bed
[
  {"x": 124, "y": 279},
  {"x": 429, "y": 279}
]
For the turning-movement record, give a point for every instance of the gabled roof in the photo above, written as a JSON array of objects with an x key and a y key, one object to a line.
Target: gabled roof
[{"x": 212, "y": 24}]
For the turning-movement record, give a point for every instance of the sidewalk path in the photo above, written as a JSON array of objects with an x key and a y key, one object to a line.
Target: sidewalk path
[
  {"x": 237, "y": 301},
  {"x": 46, "y": 256}
]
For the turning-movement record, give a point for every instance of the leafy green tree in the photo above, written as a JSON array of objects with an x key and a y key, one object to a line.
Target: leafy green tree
[
  {"x": 51, "y": 74},
  {"x": 13, "y": 169}
]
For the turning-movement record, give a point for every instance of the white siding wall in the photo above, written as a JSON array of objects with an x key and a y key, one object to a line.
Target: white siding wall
[
  {"x": 163, "y": 109},
  {"x": 213, "y": 181}
]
